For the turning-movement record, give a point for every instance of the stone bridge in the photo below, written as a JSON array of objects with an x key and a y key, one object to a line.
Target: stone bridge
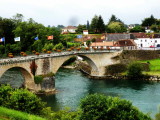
[{"x": 44, "y": 64}]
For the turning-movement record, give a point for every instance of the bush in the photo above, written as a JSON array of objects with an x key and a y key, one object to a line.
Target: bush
[
  {"x": 20, "y": 99},
  {"x": 135, "y": 70},
  {"x": 100, "y": 107},
  {"x": 38, "y": 79},
  {"x": 5, "y": 93},
  {"x": 23, "y": 100},
  {"x": 116, "y": 69},
  {"x": 145, "y": 66}
]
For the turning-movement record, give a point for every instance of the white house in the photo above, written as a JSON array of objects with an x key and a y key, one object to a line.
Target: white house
[
  {"x": 85, "y": 32},
  {"x": 69, "y": 29},
  {"x": 147, "y": 42}
]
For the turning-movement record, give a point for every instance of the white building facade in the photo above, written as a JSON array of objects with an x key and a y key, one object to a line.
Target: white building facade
[{"x": 147, "y": 43}]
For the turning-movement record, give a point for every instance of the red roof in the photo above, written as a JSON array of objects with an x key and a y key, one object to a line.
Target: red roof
[
  {"x": 102, "y": 44},
  {"x": 127, "y": 42},
  {"x": 70, "y": 27}
]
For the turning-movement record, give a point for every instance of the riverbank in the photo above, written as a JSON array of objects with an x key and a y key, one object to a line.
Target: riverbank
[{"x": 148, "y": 77}]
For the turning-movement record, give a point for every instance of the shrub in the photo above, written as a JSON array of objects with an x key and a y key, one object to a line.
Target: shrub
[
  {"x": 100, "y": 107},
  {"x": 5, "y": 93},
  {"x": 134, "y": 70},
  {"x": 116, "y": 69},
  {"x": 145, "y": 66},
  {"x": 38, "y": 79},
  {"x": 23, "y": 100}
]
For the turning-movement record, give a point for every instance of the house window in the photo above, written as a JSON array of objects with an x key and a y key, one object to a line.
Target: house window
[
  {"x": 155, "y": 41},
  {"x": 141, "y": 40},
  {"x": 145, "y": 40}
]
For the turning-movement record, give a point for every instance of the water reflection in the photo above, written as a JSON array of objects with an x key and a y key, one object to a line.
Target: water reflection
[{"x": 13, "y": 77}]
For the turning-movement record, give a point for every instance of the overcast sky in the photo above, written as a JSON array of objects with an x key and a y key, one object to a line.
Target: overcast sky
[{"x": 74, "y": 12}]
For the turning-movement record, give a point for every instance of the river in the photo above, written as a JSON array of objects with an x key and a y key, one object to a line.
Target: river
[{"x": 72, "y": 86}]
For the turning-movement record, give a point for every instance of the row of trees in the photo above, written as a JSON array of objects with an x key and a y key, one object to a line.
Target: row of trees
[
  {"x": 27, "y": 31},
  {"x": 97, "y": 25},
  {"x": 116, "y": 25}
]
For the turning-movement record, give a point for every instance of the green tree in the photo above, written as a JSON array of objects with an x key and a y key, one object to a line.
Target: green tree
[
  {"x": 100, "y": 25},
  {"x": 88, "y": 43},
  {"x": 15, "y": 48},
  {"x": 93, "y": 25},
  {"x": 59, "y": 46},
  {"x": 37, "y": 45},
  {"x": 6, "y": 30},
  {"x": 26, "y": 30},
  {"x": 100, "y": 107},
  {"x": 116, "y": 27},
  {"x": 149, "y": 21},
  {"x": 135, "y": 70},
  {"x": 48, "y": 46},
  {"x": 88, "y": 25},
  {"x": 155, "y": 28},
  {"x": 137, "y": 29},
  {"x": 80, "y": 28},
  {"x": 114, "y": 19},
  {"x": 2, "y": 49}
]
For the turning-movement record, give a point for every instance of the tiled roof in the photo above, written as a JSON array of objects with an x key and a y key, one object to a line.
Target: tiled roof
[
  {"x": 102, "y": 44},
  {"x": 85, "y": 30},
  {"x": 119, "y": 43},
  {"x": 70, "y": 27},
  {"x": 125, "y": 42}
]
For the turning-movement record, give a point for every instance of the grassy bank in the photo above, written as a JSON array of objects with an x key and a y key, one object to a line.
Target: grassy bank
[
  {"x": 154, "y": 66},
  {"x": 8, "y": 114}
]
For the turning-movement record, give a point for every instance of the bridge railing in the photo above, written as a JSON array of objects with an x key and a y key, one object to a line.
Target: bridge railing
[{"x": 18, "y": 59}]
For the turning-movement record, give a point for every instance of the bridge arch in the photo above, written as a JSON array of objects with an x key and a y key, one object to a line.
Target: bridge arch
[
  {"x": 58, "y": 62},
  {"x": 28, "y": 77},
  {"x": 92, "y": 64}
]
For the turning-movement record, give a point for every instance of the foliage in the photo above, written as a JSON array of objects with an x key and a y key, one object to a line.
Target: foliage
[
  {"x": 137, "y": 29},
  {"x": 5, "y": 93},
  {"x": 38, "y": 79},
  {"x": 114, "y": 19},
  {"x": 2, "y": 49},
  {"x": 88, "y": 42},
  {"x": 65, "y": 114},
  {"x": 154, "y": 64},
  {"x": 100, "y": 107},
  {"x": 48, "y": 75},
  {"x": 37, "y": 45},
  {"x": 135, "y": 70},
  {"x": 100, "y": 25},
  {"x": 17, "y": 115},
  {"x": 21, "y": 99},
  {"x": 155, "y": 28},
  {"x": 115, "y": 69},
  {"x": 48, "y": 46},
  {"x": 149, "y": 21},
  {"x": 97, "y": 24},
  {"x": 93, "y": 25},
  {"x": 59, "y": 46},
  {"x": 80, "y": 28},
  {"x": 71, "y": 44},
  {"x": 88, "y": 25},
  {"x": 116, "y": 27},
  {"x": 26, "y": 101}
]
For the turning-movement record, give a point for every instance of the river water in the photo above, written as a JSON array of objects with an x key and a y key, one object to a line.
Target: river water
[{"x": 72, "y": 86}]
